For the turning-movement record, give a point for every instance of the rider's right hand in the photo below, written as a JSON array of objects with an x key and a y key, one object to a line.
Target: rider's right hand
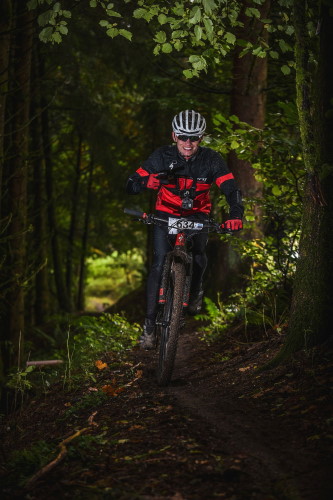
[{"x": 153, "y": 182}]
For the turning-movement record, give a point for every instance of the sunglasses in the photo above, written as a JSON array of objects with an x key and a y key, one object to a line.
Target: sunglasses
[{"x": 193, "y": 138}]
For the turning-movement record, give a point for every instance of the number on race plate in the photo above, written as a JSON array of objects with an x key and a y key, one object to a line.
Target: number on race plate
[{"x": 176, "y": 225}]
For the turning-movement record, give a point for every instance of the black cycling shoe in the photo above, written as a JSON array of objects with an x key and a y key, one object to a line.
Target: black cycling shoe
[
  {"x": 195, "y": 302},
  {"x": 148, "y": 338}
]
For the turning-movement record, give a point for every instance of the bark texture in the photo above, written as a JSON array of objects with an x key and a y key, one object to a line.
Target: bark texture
[{"x": 310, "y": 321}]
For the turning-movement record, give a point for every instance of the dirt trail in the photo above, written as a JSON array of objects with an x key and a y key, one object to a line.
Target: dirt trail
[
  {"x": 221, "y": 429},
  {"x": 272, "y": 450}
]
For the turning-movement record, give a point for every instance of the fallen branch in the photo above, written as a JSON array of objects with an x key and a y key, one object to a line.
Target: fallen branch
[
  {"x": 44, "y": 362},
  {"x": 62, "y": 453}
]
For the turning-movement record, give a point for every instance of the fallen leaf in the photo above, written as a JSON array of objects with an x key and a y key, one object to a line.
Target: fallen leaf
[
  {"x": 110, "y": 390},
  {"x": 100, "y": 365},
  {"x": 135, "y": 427},
  {"x": 244, "y": 369}
]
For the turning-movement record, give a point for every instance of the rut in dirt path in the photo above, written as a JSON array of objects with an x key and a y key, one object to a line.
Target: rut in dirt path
[{"x": 275, "y": 454}]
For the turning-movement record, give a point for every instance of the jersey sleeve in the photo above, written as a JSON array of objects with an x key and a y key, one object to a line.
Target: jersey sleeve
[
  {"x": 225, "y": 181},
  {"x": 137, "y": 182}
]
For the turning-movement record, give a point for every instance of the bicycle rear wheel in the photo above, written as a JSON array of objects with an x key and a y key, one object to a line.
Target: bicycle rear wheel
[{"x": 170, "y": 322}]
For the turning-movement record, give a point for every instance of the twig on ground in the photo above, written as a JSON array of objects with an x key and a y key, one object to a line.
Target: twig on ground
[{"x": 63, "y": 451}]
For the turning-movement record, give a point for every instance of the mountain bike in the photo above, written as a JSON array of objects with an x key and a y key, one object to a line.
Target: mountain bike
[{"x": 175, "y": 284}]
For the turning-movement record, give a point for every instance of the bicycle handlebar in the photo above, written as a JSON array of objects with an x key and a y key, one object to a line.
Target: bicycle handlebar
[
  {"x": 135, "y": 213},
  {"x": 153, "y": 219}
]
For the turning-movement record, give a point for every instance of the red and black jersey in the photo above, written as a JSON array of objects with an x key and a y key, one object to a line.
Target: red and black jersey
[{"x": 196, "y": 175}]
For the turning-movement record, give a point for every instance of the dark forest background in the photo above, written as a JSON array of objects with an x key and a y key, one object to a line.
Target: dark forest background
[{"x": 89, "y": 89}]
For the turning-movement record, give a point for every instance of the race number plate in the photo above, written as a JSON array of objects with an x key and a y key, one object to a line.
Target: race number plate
[{"x": 177, "y": 225}]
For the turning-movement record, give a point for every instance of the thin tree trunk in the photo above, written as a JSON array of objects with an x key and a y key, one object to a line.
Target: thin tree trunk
[
  {"x": 248, "y": 103},
  {"x": 5, "y": 25},
  {"x": 248, "y": 100},
  {"x": 40, "y": 236},
  {"x": 73, "y": 222},
  {"x": 56, "y": 256},
  {"x": 17, "y": 181},
  {"x": 84, "y": 244}
]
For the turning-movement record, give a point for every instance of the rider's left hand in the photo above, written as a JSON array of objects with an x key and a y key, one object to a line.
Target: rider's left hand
[{"x": 233, "y": 224}]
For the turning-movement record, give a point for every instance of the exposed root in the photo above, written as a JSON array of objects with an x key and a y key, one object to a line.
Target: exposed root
[{"x": 62, "y": 453}]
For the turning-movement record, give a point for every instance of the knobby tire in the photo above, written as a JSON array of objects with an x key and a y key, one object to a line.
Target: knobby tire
[{"x": 169, "y": 329}]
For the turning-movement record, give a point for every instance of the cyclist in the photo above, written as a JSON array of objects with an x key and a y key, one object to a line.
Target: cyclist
[{"x": 183, "y": 194}]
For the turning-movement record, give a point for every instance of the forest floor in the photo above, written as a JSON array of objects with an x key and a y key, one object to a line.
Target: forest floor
[{"x": 222, "y": 429}]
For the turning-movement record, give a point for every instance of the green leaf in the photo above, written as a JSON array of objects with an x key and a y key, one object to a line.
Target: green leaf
[
  {"x": 285, "y": 69},
  {"x": 208, "y": 25},
  {"x": 46, "y": 34},
  {"x": 162, "y": 19},
  {"x": 93, "y": 3},
  {"x": 196, "y": 15},
  {"x": 157, "y": 50},
  {"x": 139, "y": 13},
  {"x": 276, "y": 191},
  {"x": 284, "y": 46},
  {"x": 197, "y": 32},
  {"x": 166, "y": 48},
  {"x": 45, "y": 17},
  {"x": 188, "y": 73},
  {"x": 63, "y": 29},
  {"x": 56, "y": 37},
  {"x": 259, "y": 52},
  {"x": 66, "y": 13},
  {"x": 209, "y": 6},
  {"x": 104, "y": 23},
  {"x": 178, "y": 45},
  {"x": 252, "y": 12},
  {"x": 274, "y": 54},
  {"x": 160, "y": 37},
  {"x": 113, "y": 13},
  {"x": 198, "y": 62},
  {"x": 56, "y": 7},
  {"x": 112, "y": 32},
  {"x": 230, "y": 38},
  {"x": 125, "y": 33},
  {"x": 234, "y": 144}
]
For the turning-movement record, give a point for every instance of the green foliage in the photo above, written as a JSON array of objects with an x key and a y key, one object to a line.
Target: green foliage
[
  {"x": 22, "y": 464},
  {"x": 112, "y": 276},
  {"x": 91, "y": 336},
  {"x": 89, "y": 401},
  {"x": 219, "y": 316},
  {"x": 19, "y": 380}
]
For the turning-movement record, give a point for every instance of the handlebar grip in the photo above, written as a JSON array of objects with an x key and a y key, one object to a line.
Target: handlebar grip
[{"x": 134, "y": 213}]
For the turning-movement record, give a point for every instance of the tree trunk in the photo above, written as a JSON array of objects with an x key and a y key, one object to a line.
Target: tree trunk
[
  {"x": 311, "y": 311},
  {"x": 85, "y": 235},
  {"x": 73, "y": 223},
  {"x": 248, "y": 100},
  {"x": 17, "y": 183},
  {"x": 248, "y": 103},
  {"x": 5, "y": 26},
  {"x": 58, "y": 270},
  {"x": 41, "y": 301}
]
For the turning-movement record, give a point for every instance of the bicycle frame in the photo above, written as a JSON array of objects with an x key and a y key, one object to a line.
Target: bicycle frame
[{"x": 174, "y": 287}]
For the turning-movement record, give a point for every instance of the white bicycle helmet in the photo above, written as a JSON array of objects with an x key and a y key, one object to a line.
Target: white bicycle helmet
[{"x": 189, "y": 122}]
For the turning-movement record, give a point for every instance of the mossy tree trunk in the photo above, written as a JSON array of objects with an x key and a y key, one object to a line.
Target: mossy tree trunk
[{"x": 311, "y": 311}]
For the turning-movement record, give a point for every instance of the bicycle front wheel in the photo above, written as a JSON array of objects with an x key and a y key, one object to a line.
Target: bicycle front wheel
[{"x": 170, "y": 322}]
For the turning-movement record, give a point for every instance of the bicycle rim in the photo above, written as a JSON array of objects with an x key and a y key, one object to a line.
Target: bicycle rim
[{"x": 169, "y": 327}]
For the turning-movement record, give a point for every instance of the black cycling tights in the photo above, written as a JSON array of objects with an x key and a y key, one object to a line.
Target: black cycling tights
[{"x": 163, "y": 243}]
